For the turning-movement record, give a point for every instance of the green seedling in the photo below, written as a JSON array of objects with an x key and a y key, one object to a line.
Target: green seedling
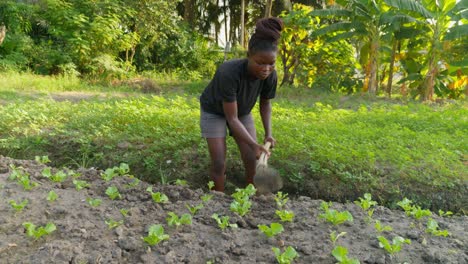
[
  {"x": 210, "y": 185},
  {"x": 444, "y": 214},
  {"x": 134, "y": 183},
  {"x": 94, "y": 202},
  {"x": 173, "y": 219},
  {"x": 341, "y": 254},
  {"x": 74, "y": 174},
  {"x": 287, "y": 256},
  {"x": 181, "y": 182},
  {"x": 433, "y": 228},
  {"x": 16, "y": 172},
  {"x": 366, "y": 203},
  {"x": 206, "y": 197},
  {"x": 194, "y": 209},
  {"x": 60, "y": 176},
  {"x": 223, "y": 222},
  {"x": 281, "y": 199},
  {"x": 26, "y": 182},
  {"x": 42, "y": 159},
  {"x": 381, "y": 228},
  {"x": 52, "y": 196},
  {"x": 113, "y": 224},
  {"x": 155, "y": 235},
  {"x": 124, "y": 212},
  {"x": 157, "y": 196},
  {"x": 31, "y": 230},
  {"x": 18, "y": 207},
  {"x": 113, "y": 193},
  {"x": 334, "y": 237},
  {"x": 79, "y": 185},
  {"x": 412, "y": 210},
  {"x": 241, "y": 207},
  {"x": 46, "y": 172},
  {"x": 285, "y": 215},
  {"x": 334, "y": 216},
  {"x": 246, "y": 192},
  {"x": 396, "y": 245},
  {"x": 272, "y": 230},
  {"x": 108, "y": 174},
  {"x": 123, "y": 169}
]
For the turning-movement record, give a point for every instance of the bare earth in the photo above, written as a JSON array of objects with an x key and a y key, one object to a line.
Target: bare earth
[{"x": 82, "y": 236}]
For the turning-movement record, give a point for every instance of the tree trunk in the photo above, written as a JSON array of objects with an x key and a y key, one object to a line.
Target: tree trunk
[
  {"x": 429, "y": 80},
  {"x": 390, "y": 72},
  {"x": 189, "y": 13},
  {"x": 268, "y": 7},
  {"x": 373, "y": 66},
  {"x": 242, "y": 33},
  {"x": 226, "y": 30},
  {"x": 2, "y": 33}
]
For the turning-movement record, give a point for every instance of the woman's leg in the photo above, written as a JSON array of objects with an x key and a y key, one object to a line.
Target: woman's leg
[
  {"x": 217, "y": 149},
  {"x": 248, "y": 154}
]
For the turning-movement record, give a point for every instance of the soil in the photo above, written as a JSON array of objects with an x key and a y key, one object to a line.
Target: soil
[{"x": 82, "y": 236}]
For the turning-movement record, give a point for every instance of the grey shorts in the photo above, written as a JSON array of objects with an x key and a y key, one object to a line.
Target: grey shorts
[{"x": 215, "y": 126}]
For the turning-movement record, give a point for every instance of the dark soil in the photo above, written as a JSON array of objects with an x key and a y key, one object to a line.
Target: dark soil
[{"x": 82, "y": 235}]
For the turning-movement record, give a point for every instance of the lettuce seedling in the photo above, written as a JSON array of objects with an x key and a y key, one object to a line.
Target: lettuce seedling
[
  {"x": 60, "y": 176},
  {"x": 194, "y": 209},
  {"x": 157, "y": 196},
  {"x": 281, "y": 199},
  {"x": 341, "y": 254},
  {"x": 155, "y": 235},
  {"x": 223, "y": 222},
  {"x": 285, "y": 215},
  {"x": 26, "y": 182},
  {"x": 123, "y": 169},
  {"x": 334, "y": 216},
  {"x": 287, "y": 256},
  {"x": 241, "y": 207},
  {"x": 181, "y": 182},
  {"x": 395, "y": 247},
  {"x": 134, "y": 183},
  {"x": 366, "y": 203},
  {"x": 433, "y": 228},
  {"x": 108, "y": 174},
  {"x": 442, "y": 213},
  {"x": 173, "y": 219},
  {"x": 412, "y": 210},
  {"x": 206, "y": 197},
  {"x": 31, "y": 230},
  {"x": 113, "y": 193},
  {"x": 52, "y": 196},
  {"x": 124, "y": 212},
  {"x": 334, "y": 237},
  {"x": 272, "y": 230},
  {"x": 94, "y": 202},
  {"x": 42, "y": 159},
  {"x": 210, "y": 185},
  {"x": 18, "y": 207},
  {"x": 16, "y": 172},
  {"x": 380, "y": 228},
  {"x": 80, "y": 184},
  {"x": 113, "y": 224}
]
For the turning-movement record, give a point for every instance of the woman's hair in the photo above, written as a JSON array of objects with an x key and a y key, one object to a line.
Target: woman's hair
[{"x": 266, "y": 36}]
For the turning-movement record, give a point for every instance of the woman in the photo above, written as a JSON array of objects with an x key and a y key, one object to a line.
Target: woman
[{"x": 228, "y": 99}]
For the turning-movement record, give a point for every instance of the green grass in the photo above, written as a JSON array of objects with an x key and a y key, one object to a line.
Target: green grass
[{"x": 329, "y": 146}]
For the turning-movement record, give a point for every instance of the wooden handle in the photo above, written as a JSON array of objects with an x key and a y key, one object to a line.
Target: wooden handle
[{"x": 263, "y": 156}]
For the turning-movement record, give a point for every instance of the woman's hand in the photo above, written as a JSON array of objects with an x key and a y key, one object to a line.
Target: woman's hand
[
  {"x": 270, "y": 139},
  {"x": 259, "y": 148}
]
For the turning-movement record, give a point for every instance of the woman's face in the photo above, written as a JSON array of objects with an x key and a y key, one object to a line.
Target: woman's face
[{"x": 261, "y": 64}]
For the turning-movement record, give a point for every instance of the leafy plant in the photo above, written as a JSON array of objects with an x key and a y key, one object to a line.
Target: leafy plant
[
  {"x": 433, "y": 228},
  {"x": 173, "y": 219},
  {"x": 285, "y": 215},
  {"x": 341, "y": 254},
  {"x": 31, "y": 230},
  {"x": 412, "y": 210},
  {"x": 80, "y": 184},
  {"x": 334, "y": 237},
  {"x": 396, "y": 245},
  {"x": 287, "y": 256},
  {"x": 59, "y": 176},
  {"x": 380, "y": 228},
  {"x": 134, "y": 183},
  {"x": 94, "y": 202},
  {"x": 281, "y": 199},
  {"x": 206, "y": 197},
  {"x": 181, "y": 182},
  {"x": 210, "y": 185},
  {"x": 443, "y": 214},
  {"x": 52, "y": 196},
  {"x": 42, "y": 159},
  {"x": 18, "y": 207},
  {"x": 194, "y": 209},
  {"x": 113, "y": 224},
  {"x": 366, "y": 203},
  {"x": 223, "y": 222},
  {"x": 113, "y": 193},
  {"x": 26, "y": 182},
  {"x": 334, "y": 216},
  {"x": 272, "y": 230},
  {"x": 124, "y": 212},
  {"x": 155, "y": 235},
  {"x": 108, "y": 174},
  {"x": 241, "y": 204},
  {"x": 16, "y": 172},
  {"x": 157, "y": 196}
]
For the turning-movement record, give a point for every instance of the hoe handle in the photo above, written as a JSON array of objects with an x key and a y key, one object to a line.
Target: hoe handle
[{"x": 263, "y": 156}]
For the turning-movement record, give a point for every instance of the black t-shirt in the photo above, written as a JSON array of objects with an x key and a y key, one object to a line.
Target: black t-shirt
[{"x": 230, "y": 83}]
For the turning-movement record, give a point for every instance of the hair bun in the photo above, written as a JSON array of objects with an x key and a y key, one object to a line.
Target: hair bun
[{"x": 269, "y": 28}]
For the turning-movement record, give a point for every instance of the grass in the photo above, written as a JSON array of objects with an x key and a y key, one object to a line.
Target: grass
[{"x": 329, "y": 146}]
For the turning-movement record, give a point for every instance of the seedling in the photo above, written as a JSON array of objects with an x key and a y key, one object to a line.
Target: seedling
[
  {"x": 16, "y": 172},
  {"x": 341, "y": 254},
  {"x": 210, "y": 185},
  {"x": 443, "y": 214},
  {"x": 223, "y": 222},
  {"x": 134, "y": 183},
  {"x": 366, "y": 203},
  {"x": 60, "y": 176},
  {"x": 173, "y": 219},
  {"x": 80, "y": 184},
  {"x": 108, "y": 174},
  {"x": 334, "y": 237},
  {"x": 124, "y": 212},
  {"x": 194, "y": 209},
  {"x": 281, "y": 199},
  {"x": 433, "y": 228},
  {"x": 94, "y": 202},
  {"x": 74, "y": 174},
  {"x": 52, "y": 196},
  {"x": 272, "y": 230},
  {"x": 113, "y": 193},
  {"x": 42, "y": 159},
  {"x": 31, "y": 230},
  {"x": 157, "y": 196},
  {"x": 113, "y": 224},
  {"x": 26, "y": 182},
  {"x": 381, "y": 228},
  {"x": 181, "y": 182},
  {"x": 123, "y": 169},
  {"x": 246, "y": 192},
  {"x": 412, "y": 210},
  {"x": 18, "y": 207},
  {"x": 285, "y": 215},
  {"x": 155, "y": 235},
  {"x": 241, "y": 207},
  {"x": 287, "y": 256},
  {"x": 395, "y": 247},
  {"x": 206, "y": 197},
  {"x": 334, "y": 216}
]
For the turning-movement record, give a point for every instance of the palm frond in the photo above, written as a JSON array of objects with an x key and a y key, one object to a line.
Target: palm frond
[
  {"x": 410, "y": 5},
  {"x": 457, "y": 32}
]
